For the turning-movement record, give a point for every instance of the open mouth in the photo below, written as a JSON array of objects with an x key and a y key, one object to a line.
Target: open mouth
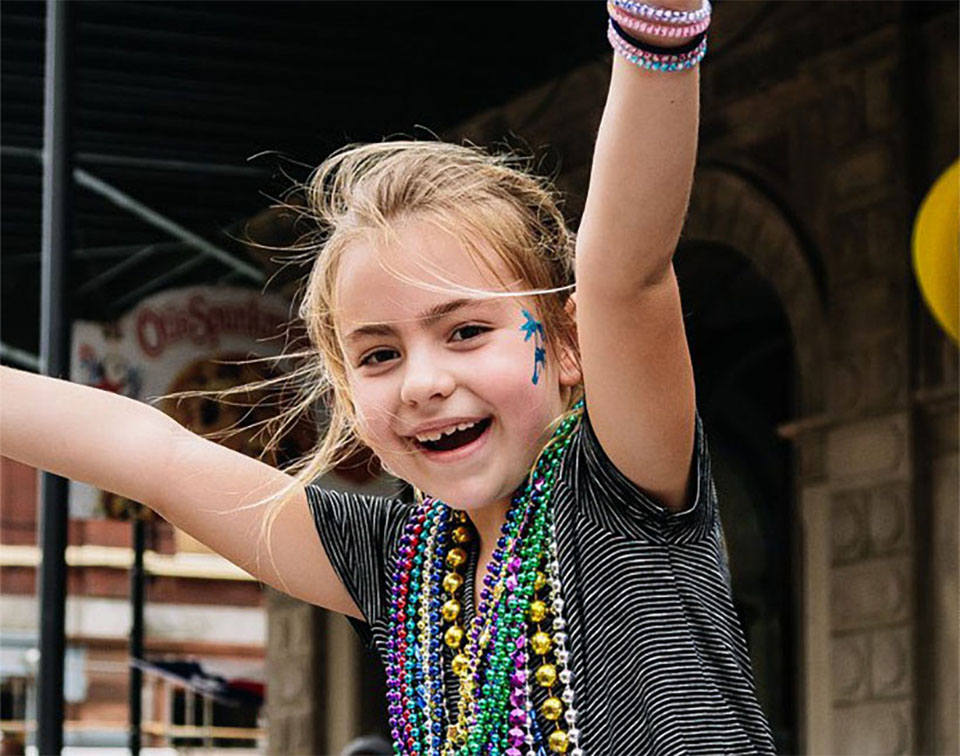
[{"x": 456, "y": 438}]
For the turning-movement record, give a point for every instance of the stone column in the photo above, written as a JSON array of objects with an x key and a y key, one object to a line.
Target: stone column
[
  {"x": 939, "y": 707},
  {"x": 870, "y": 444},
  {"x": 295, "y": 697},
  {"x": 813, "y": 539},
  {"x": 343, "y": 683},
  {"x": 869, "y": 463}
]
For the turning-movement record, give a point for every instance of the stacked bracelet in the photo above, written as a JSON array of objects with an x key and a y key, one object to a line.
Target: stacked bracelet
[{"x": 652, "y": 21}]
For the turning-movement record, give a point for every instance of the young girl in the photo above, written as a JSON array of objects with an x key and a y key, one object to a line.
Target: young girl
[{"x": 558, "y": 586}]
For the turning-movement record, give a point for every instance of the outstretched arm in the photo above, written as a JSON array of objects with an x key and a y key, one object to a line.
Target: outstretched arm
[
  {"x": 637, "y": 371},
  {"x": 121, "y": 445}
]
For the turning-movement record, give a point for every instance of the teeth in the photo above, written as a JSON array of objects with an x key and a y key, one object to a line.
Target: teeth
[{"x": 437, "y": 435}]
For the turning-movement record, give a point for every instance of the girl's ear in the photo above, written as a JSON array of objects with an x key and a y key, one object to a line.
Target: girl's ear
[{"x": 569, "y": 352}]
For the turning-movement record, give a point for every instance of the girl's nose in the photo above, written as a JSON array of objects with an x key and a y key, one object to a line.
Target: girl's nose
[{"x": 424, "y": 381}]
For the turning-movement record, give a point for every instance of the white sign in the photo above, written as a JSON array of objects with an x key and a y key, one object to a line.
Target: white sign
[{"x": 172, "y": 342}]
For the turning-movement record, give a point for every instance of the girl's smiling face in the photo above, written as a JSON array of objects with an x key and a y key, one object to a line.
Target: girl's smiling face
[{"x": 441, "y": 380}]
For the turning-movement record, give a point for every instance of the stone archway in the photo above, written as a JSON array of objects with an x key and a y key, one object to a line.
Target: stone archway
[{"x": 726, "y": 208}]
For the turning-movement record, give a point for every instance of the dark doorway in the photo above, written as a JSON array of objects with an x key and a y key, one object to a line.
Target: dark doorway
[{"x": 743, "y": 358}]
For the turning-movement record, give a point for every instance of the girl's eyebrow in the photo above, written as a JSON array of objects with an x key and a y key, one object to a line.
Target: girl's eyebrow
[{"x": 427, "y": 317}]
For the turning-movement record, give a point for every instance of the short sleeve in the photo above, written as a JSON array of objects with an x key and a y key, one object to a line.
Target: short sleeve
[
  {"x": 616, "y": 503},
  {"x": 360, "y": 535}
]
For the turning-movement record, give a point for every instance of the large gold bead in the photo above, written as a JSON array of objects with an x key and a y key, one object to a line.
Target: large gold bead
[
  {"x": 552, "y": 708},
  {"x": 539, "y": 581},
  {"x": 538, "y": 610},
  {"x": 452, "y": 582},
  {"x": 541, "y": 642},
  {"x": 456, "y": 557},
  {"x": 559, "y": 742},
  {"x": 461, "y": 534},
  {"x": 453, "y": 636},
  {"x": 450, "y": 610},
  {"x": 547, "y": 675},
  {"x": 460, "y": 665}
]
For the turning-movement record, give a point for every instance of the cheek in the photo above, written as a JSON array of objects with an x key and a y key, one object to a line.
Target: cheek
[
  {"x": 508, "y": 379},
  {"x": 374, "y": 412}
]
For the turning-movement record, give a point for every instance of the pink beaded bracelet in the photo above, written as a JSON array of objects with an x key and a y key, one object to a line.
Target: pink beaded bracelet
[
  {"x": 634, "y": 24},
  {"x": 664, "y": 15}
]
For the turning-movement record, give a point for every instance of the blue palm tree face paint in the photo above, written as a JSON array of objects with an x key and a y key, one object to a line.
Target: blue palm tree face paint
[{"x": 533, "y": 328}]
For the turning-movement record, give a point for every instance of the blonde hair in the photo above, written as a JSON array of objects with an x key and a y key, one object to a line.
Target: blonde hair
[{"x": 487, "y": 201}]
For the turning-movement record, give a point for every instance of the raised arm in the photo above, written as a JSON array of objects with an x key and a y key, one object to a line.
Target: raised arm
[
  {"x": 127, "y": 447},
  {"x": 637, "y": 372}
]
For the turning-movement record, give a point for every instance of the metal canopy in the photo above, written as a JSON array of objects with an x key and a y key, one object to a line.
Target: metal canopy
[{"x": 174, "y": 97}]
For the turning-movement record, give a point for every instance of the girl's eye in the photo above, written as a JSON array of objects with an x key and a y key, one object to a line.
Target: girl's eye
[
  {"x": 467, "y": 332},
  {"x": 378, "y": 357}
]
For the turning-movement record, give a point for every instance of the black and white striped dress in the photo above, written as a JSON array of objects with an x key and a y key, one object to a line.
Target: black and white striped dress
[{"x": 659, "y": 659}]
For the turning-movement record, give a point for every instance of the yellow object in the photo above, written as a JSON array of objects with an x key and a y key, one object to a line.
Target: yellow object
[
  {"x": 552, "y": 708},
  {"x": 450, "y": 610},
  {"x": 538, "y": 610},
  {"x": 456, "y": 557},
  {"x": 453, "y": 636},
  {"x": 546, "y": 675},
  {"x": 461, "y": 534},
  {"x": 559, "y": 742},
  {"x": 452, "y": 582},
  {"x": 539, "y": 581},
  {"x": 936, "y": 250},
  {"x": 541, "y": 642},
  {"x": 459, "y": 665}
]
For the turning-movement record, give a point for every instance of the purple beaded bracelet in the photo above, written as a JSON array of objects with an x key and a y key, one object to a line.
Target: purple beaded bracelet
[{"x": 665, "y": 15}]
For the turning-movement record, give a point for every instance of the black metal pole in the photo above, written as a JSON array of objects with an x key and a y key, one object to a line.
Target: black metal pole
[
  {"x": 54, "y": 361},
  {"x": 136, "y": 629}
]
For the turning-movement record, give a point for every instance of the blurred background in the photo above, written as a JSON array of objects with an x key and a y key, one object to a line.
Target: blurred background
[{"x": 827, "y": 387}]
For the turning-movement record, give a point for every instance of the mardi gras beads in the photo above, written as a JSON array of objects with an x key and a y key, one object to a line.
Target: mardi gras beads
[
  {"x": 534, "y": 547},
  {"x": 492, "y": 657},
  {"x": 430, "y": 606},
  {"x": 559, "y": 740},
  {"x": 399, "y": 664},
  {"x": 475, "y": 716}
]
